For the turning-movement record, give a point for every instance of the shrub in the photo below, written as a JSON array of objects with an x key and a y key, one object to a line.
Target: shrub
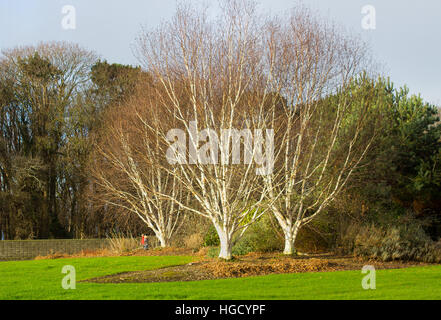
[
  {"x": 406, "y": 242},
  {"x": 260, "y": 236},
  {"x": 213, "y": 252},
  {"x": 211, "y": 238},
  {"x": 244, "y": 246}
]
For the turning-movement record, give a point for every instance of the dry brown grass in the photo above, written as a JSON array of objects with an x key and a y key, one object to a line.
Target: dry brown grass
[
  {"x": 169, "y": 251},
  {"x": 194, "y": 241},
  {"x": 82, "y": 254},
  {"x": 120, "y": 243}
]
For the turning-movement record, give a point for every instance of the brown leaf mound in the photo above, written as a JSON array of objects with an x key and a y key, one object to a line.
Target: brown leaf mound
[
  {"x": 246, "y": 266},
  {"x": 246, "y": 269}
]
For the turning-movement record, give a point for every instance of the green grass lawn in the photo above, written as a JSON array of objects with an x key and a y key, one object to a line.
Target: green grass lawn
[{"x": 41, "y": 279}]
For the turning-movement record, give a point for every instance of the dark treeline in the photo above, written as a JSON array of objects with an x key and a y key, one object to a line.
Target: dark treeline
[{"x": 53, "y": 98}]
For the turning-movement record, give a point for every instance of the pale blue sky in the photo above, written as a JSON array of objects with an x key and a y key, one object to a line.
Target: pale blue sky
[{"x": 407, "y": 38}]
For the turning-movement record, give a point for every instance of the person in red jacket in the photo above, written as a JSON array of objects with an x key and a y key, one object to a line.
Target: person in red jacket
[{"x": 144, "y": 242}]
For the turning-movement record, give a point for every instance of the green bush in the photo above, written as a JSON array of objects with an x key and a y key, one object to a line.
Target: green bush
[
  {"x": 243, "y": 246},
  {"x": 213, "y": 252},
  {"x": 211, "y": 238},
  {"x": 259, "y": 237}
]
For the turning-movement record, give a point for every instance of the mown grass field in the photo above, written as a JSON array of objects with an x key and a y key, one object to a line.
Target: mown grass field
[{"x": 41, "y": 279}]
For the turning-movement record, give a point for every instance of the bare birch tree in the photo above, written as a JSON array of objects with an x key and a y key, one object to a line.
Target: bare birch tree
[
  {"x": 210, "y": 78},
  {"x": 317, "y": 146},
  {"x": 128, "y": 171}
]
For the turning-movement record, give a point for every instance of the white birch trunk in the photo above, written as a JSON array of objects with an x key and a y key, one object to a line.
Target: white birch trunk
[
  {"x": 163, "y": 241},
  {"x": 226, "y": 247},
  {"x": 290, "y": 239},
  {"x": 226, "y": 243}
]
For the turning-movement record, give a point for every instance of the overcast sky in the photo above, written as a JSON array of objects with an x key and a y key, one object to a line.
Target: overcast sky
[{"x": 407, "y": 38}]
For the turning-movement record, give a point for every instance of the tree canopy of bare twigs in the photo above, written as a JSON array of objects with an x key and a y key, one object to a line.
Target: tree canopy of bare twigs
[
  {"x": 210, "y": 77},
  {"x": 128, "y": 167},
  {"x": 319, "y": 140},
  {"x": 261, "y": 83}
]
